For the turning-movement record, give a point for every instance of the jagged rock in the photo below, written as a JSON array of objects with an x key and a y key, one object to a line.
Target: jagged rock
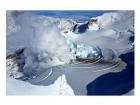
[{"x": 15, "y": 63}]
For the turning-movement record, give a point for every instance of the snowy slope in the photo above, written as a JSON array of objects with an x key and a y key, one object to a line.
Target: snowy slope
[
  {"x": 46, "y": 46},
  {"x": 60, "y": 87},
  {"x": 116, "y": 30}
]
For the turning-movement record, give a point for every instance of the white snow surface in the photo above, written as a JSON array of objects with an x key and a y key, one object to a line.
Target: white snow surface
[
  {"x": 93, "y": 27},
  {"x": 46, "y": 46},
  {"x": 59, "y": 87},
  {"x": 117, "y": 28}
]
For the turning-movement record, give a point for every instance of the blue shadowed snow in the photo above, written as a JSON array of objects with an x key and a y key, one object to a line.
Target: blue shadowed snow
[
  {"x": 108, "y": 84},
  {"x": 132, "y": 38},
  {"x": 115, "y": 83},
  {"x": 80, "y": 29}
]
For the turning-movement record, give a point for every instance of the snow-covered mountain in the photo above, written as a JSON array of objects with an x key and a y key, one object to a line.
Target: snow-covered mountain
[{"x": 49, "y": 42}]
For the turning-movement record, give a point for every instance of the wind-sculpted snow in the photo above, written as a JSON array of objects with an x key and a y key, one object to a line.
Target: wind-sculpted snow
[{"x": 47, "y": 53}]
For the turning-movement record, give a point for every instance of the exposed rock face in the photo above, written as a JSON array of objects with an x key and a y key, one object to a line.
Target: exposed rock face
[{"x": 15, "y": 63}]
